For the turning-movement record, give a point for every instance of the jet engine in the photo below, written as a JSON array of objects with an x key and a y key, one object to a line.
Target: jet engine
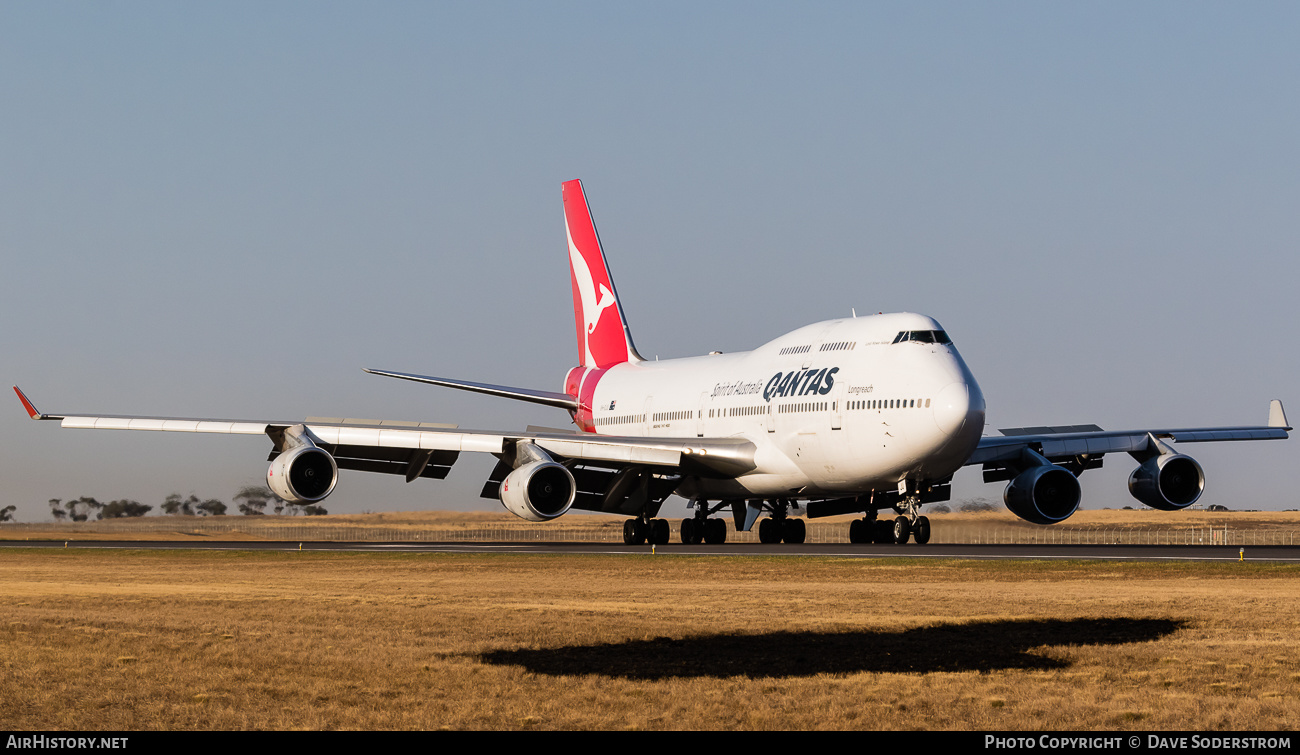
[
  {"x": 1168, "y": 482},
  {"x": 1043, "y": 494},
  {"x": 303, "y": 474},
  {"x": 538, "y": 491}
]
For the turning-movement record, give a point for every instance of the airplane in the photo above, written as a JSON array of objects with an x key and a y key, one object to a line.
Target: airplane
[{"x": 861, "y": 415}]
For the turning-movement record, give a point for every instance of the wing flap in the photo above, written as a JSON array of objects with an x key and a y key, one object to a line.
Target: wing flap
[
  {"x": 627, "y": 453},
  {"x": 171, "y": 424},
  {"x": 1101, "y": 445},
  {"x": 425, "y": 438}
]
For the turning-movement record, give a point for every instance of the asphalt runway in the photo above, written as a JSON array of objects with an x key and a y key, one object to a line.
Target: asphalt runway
[{"x": 1276, "y": 553}]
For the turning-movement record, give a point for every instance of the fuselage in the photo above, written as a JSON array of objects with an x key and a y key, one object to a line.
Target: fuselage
[{"x": 835, "y": 408}]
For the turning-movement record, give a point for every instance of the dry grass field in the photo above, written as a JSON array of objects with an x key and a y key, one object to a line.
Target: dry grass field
[{"x": 134, "y": 640}]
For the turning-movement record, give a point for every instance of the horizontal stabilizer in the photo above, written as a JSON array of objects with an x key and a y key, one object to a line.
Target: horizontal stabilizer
[
  {"x": 549, "y": 398},
  {"x": 553, "y": 430}
]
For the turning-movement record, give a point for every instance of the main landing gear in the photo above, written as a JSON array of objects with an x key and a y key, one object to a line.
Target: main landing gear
[
  {"x": 641, "y": 530},
  {"x": 781, "y": 527},
  {"x": 904, "y": 527},
  {"x": 784, "y": 530},
  {"x": 699, "y": 529},
  {"x": 694, "y": 530},
  {"x": 777, "y": 528},
  {"x": 702, "y": 527}
]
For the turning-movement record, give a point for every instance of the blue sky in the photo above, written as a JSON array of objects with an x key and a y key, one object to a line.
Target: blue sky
[{"x": 227, "y": 210}]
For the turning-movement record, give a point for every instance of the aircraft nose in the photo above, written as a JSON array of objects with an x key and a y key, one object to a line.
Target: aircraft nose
[{"x": 952, "y": 407}]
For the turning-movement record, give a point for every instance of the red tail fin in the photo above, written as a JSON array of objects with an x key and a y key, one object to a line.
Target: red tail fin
[{"x": 603, "y": 335}]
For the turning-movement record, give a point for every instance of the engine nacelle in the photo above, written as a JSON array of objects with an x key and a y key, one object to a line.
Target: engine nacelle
[
  {"x": 1044, "y": 494},
  {"x": 538, "y": 491},
  {"x": 1168, "y": 482},
  {"x": 303, "y": 474}
]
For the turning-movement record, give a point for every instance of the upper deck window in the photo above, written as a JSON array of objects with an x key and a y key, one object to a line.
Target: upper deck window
[{"x": 922, "y": 336}]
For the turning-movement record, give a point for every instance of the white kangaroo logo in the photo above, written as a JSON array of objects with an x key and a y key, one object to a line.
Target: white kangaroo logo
[{"x": 591, "y": 308}]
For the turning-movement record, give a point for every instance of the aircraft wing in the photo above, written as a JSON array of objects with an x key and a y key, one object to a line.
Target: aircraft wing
[
  {"x": 423, "y": 449},
  {"x": 1082, "y": 443}
]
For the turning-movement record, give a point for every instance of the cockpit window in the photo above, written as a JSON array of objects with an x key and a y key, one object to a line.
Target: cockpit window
[{"x": 922, "y": 336}]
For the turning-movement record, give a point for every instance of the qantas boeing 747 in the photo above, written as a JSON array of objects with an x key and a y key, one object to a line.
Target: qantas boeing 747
[{"x": 861, "y": 415}]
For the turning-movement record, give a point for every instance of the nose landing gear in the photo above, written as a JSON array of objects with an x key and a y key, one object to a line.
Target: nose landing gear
[{"x": 912, "y": 523}]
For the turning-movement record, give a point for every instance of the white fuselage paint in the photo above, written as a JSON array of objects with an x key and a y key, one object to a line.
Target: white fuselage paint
[{"x": 890, "y": 412}]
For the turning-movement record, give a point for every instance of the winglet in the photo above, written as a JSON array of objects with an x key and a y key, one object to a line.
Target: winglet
[
  {"x": 1276, "y": 416},
  {"x": 31, "y": 410}
]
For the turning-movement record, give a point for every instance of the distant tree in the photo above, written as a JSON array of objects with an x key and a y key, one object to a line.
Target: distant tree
[
  {"x": 56, "y": 508},
  {"x": 80, "y": 509},
  {"x": 253, "y": 500},
  {"x": 977, "y": 505},
  {"x": 940, "y": 508},
  {"x": 211, "y": 507},
  {"x": 314, "y": 510},
  {"x": 174, "y": 505},
  {"x": 123, "y": 509},
  {"x": 7, "y": 513}
]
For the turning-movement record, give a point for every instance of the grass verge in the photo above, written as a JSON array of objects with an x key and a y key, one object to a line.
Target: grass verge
[{"x": 219, "y": 640}]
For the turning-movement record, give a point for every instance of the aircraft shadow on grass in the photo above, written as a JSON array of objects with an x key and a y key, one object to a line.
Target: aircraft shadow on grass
[{"x": 981, "y": 646}]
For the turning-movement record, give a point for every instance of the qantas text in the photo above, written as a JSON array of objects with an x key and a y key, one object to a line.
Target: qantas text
[{"x": 800, "y": 383}]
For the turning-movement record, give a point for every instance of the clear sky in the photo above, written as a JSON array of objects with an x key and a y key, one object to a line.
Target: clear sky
[{"x": 228, "y": 209}]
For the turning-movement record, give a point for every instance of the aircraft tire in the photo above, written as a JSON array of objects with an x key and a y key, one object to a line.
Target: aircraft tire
[
  {"x": 769, "y": 531},
  {"x": 689, "y": 536},
  {"x": 921, "y": 530},
  {"x": 856, "y": 534},
  {"x": 902, "y": 530},
  {"x": 633, "y": 532},
  {"x": 794, "y": 531},
  {"x": 660, "y": 531},
  {"x": 882, "y": 532},
  {"x": 715, "y": 531}
]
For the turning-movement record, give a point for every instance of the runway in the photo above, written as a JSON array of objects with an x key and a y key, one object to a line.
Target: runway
[{"x": 1272, "y": 553}]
